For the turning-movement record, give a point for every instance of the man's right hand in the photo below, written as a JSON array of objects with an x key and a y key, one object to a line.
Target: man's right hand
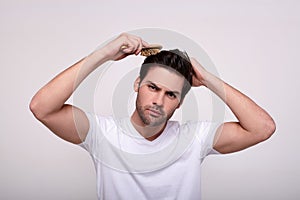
[{"x": 124, "y": 45}]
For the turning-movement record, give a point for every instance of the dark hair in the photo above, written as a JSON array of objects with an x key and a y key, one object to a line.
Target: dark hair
[{"x": 174, "y": 59}]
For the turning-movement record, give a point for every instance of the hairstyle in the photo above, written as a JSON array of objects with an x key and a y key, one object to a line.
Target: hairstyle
[{"x": 174, "y": 59}]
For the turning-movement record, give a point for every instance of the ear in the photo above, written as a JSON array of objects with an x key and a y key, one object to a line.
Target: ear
[{"x": 137, "y": 84}]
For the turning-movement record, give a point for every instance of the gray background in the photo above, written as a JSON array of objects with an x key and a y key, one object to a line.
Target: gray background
[{"x": 253, "y": 44}]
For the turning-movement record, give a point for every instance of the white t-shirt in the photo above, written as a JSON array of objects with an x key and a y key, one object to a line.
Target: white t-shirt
[{"x": 130, "y": 167}]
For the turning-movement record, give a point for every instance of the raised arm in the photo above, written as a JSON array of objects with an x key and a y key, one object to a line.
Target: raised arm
[
  {"x": 254, "y": 123},
  {"x": 48, "y": 104}
]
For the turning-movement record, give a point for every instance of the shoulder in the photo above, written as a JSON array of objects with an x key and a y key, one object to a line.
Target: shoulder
[
  {"x": 202, "y": 130},
  {"x": 100, "y": 120},
  {"x": 101, "y": 125}
]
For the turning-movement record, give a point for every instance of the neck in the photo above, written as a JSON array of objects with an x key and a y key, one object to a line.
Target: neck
[{"x": 148, "y": 132}]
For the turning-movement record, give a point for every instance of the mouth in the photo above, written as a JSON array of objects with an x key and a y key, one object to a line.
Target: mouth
[{"x": 154, "y": 112}]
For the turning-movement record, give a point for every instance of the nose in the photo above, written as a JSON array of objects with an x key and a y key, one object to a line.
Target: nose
[{"x": 158, "y": 99}]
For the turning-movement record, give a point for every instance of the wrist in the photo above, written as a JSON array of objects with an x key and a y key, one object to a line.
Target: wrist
[{"x": 100, "y": 56}]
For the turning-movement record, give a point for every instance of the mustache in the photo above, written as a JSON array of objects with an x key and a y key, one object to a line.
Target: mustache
[{"x": 156, "y": 108}]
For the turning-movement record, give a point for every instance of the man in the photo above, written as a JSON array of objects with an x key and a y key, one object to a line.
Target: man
[{"x": 147, "y": 156}]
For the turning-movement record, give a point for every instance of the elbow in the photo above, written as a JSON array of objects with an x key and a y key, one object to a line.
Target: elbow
[
  {"x": 33, "y": 107},
  {"x": 36, "y": 108},
  {"x": 269, "y": 129}
]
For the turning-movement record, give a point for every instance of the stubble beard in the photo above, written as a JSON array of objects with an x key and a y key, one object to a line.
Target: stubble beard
[{"x": 149, "y": 120}]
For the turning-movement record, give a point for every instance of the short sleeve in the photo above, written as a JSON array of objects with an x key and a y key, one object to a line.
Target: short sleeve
[
  {"x": 90, "y": 141},
  {"x": 100, "y": 129},
  {"x": 206, "y": 132}
]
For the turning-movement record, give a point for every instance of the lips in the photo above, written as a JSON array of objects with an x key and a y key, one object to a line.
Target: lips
[{"x": 154, "y": 112}]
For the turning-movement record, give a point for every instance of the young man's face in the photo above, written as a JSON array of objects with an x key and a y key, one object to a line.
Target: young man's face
[{"x": 158, "y": 96}]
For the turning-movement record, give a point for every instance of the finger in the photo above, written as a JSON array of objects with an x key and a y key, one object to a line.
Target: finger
[
  {"x": 145, "y": 44},
  {"x": 128, "y": 46},
  {"x": 141, "y": 44},
  {"x": 137, "y": 45},
  {"x": 127, "y": 43},
  {"x": 138, "y": 39},
  {"x": 193, "y": 61},
  {"x": 139, "y": 48},
  {"x": 195, "y": 64},
  {"x": 133, "y": 44}
]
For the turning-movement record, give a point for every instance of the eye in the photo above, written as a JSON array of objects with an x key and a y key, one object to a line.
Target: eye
[
  {"x": 171, "y": 95},
  {"x": 152, "y": 87}
]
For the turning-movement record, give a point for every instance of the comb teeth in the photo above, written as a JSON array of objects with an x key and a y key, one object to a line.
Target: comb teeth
[{"x": 151, "y": 50}]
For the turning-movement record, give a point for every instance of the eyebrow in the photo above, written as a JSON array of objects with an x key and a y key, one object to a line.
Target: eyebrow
[{"x": 169, "y": 91}]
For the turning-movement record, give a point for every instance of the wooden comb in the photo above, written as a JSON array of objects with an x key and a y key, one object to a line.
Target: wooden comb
[{"x": 151, "y": 49}]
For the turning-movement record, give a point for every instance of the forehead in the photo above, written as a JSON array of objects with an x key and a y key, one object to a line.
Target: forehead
[{"x": 165, "y": 77}]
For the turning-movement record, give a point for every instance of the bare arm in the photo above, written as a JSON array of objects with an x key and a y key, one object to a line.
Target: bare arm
[
  {"x": 48, "y": 104},
  {"x": 254, "y": 123}
]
